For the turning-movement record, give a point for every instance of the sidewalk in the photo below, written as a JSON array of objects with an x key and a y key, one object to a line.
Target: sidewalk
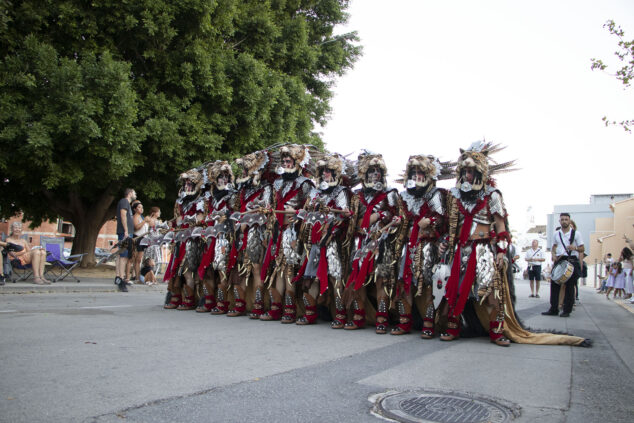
[
  {"x": 86, "y": 284},
  {"x": 621, "y": 302}
]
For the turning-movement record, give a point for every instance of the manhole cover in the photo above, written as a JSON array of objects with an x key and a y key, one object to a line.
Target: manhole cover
[{"x": 443, "y": 407}]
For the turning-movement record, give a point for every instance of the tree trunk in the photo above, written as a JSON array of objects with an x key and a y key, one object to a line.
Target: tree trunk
[
  {"x": 87, "y": 229},
  {"x": 86, "y": 220},
  {"x": 86, "y": 234}
]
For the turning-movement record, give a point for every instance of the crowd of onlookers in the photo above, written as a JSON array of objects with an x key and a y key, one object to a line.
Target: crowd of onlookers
[
  {"x": 135, "y": 262},
  {"x": 618, "y": 276}
]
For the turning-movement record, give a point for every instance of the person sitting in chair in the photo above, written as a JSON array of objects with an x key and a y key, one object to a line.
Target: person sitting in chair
[
  {"x": 146, "y": 274},
  {"x": 35, "y": 256}
]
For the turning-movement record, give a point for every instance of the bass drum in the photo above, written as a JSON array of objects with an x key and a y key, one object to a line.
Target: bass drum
[{"x": 562, "y": 271}]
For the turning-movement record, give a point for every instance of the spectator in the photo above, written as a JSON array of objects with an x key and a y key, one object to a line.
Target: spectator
[
  {"x": 147, "y": 272},
  {"x": 607, "y": 264},
  {"x": 154, "y": 219},
  {"x": 141, "y": 228},
  {"x": 35, "y": 256},
  {"x": 125, "y": 228},
  {"x": 616, "y": 281},
  {"x": 154, "y": 251},
  {"x": 609, "y": 280},
  {"x": 534, "y": 258},
  {"x": 626, "y": 261}
]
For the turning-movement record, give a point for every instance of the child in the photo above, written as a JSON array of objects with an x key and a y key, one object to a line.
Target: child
[
  {"x": 147, "y": 272},
  {"x": 615, "y": 270},
  {"x": 619, "y": 281}
]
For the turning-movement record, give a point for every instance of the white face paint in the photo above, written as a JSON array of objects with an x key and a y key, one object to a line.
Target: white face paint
[
  {"x": 374, "y": 175},
  {"x": 323, "y": 185},
  {"x": 279, "y": 170},
  {"x": 222, "y": 182},
  {"x": 411, "y": 183},
  {"x": 419, "y": 176}
]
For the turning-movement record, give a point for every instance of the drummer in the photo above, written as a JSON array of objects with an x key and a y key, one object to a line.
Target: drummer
[{"x": 567, "y": 245}]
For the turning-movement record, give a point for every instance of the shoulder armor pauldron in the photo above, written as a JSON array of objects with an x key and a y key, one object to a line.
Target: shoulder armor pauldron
[
  {"x": 392, "y": 198},
  {"x": 437, "y": 201},
  {"x": 496, "y": 204}
]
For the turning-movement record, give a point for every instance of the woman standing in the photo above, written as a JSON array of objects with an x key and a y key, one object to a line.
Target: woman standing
[
  {"x": 35, "y": 256},
  {"x": 154, "y": 251},
  {"x": 626, "y": 262},
  {"x": 141, "y": 228}
]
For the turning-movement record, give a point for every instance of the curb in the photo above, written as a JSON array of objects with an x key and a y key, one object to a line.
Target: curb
[
  {"x": 625, "y": 304},
  {"x": 88, "y": 285}
]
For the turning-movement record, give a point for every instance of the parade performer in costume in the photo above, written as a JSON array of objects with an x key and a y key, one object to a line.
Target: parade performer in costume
[
  {"x": 290, "y": 191},
  {"x": 323, "y": 231},
  {"x": 376, "y": 213},
  {"x": 425, "y": 214},
  {"x": 189, "y": 209},
  {"x": 477, "y": 221},
  {"x": 213, "y": 266},
  {"x": 247, "y": 250},
  {"x": 478, "y": 240}
]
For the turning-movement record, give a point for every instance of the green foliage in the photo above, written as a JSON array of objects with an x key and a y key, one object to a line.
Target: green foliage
[
  {"x": 625, "y": 73},
  {"x": 96, "y": 96}
]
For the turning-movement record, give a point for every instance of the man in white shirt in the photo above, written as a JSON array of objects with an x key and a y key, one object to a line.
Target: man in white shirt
[
  {"x": 534, "y": 258},
  {"x": 567, "y": 245}
]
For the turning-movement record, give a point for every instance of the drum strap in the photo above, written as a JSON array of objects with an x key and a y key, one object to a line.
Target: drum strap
[{"x": 570, "y": 241}]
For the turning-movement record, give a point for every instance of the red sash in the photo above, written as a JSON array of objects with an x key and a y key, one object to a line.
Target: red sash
[
  {"x": 365, "y": 223},
  {"x": 208, "y": 255},
  {"x": 451, "y": 294},
  {"x": 280, "y": 203},
  {"x": 358, "y": 274},
  {"x": 322, "y": 268},
  {"x": 233, "y": 255},
  {"x": 413, "y": 240},
  {"x": 175, "y": 261}
]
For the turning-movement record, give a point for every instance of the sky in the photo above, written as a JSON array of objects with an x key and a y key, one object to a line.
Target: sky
[{"x": 436, "y": 76}]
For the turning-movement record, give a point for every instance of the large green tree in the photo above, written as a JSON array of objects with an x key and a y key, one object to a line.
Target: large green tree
[{"x": 97, "y": 96}]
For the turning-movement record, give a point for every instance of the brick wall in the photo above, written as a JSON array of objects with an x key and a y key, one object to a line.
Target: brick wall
[{"x": 106, "y": 238}]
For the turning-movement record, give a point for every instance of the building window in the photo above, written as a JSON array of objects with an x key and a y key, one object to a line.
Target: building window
[{"x": 65, "y": 228}]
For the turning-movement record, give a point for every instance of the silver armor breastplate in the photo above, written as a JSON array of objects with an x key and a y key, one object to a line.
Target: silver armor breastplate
[{"x": 283, "y": 187}]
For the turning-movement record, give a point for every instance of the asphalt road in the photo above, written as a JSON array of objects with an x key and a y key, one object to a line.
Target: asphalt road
[{"x": 114, "y": 357}]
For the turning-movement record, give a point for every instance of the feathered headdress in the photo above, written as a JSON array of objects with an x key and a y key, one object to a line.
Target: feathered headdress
[
  {"x": 365, "y": 161},
  {"x": 433, "y": 169},
  {"x": 215, "y": 169},
  {"x": 343, "y": 170},
  {"x": 478, "y": 157},
  {"x": 255, "y": 167},
  {"x": 301, "y": 155}
]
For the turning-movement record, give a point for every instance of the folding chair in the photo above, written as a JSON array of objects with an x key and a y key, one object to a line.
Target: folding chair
[
  {"x": 18, "y": 272},
  {"x": 59, "y": 268}
]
